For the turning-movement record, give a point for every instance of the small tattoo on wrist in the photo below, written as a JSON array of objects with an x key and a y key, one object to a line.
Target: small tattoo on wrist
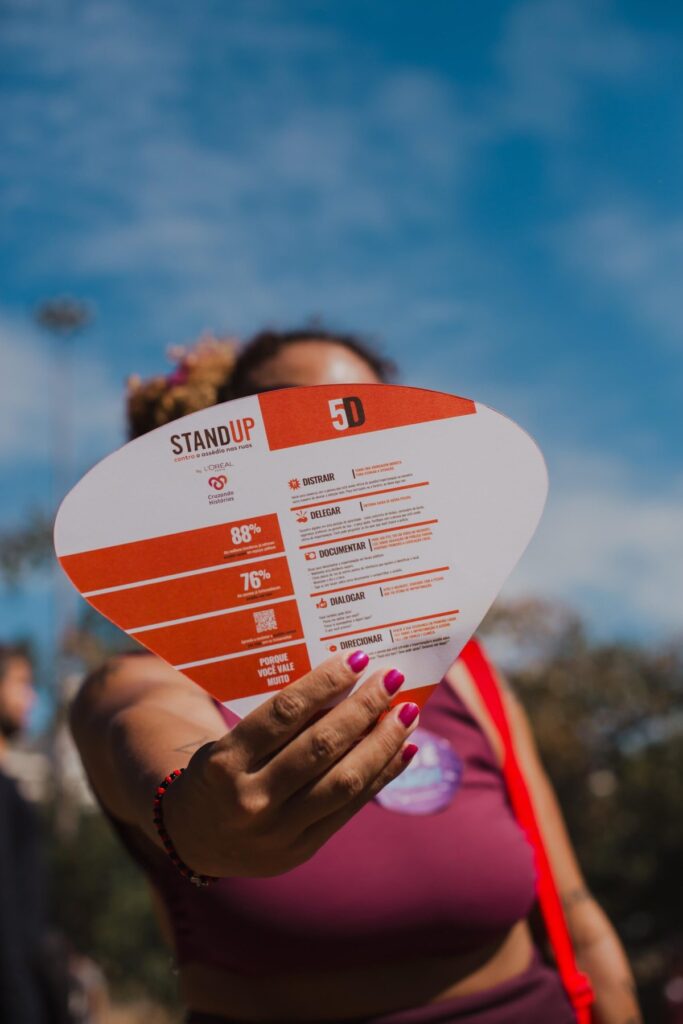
[
  {"x": 193, "y": 745},
  {"x": 571, "y": 899}
]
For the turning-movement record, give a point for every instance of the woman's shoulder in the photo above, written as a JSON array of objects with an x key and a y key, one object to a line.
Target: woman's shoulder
[{"x": 460, "y": 680}]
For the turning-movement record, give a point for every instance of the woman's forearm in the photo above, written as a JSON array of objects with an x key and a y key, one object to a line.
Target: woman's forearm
[
  {"x": 601, "y": 955},
  {"x": 132, "y": 724},
  {"x": 615, "y": 992}
]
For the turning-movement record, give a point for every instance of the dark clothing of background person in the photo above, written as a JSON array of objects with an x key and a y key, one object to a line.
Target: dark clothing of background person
[{"x": 27, "y": 993}]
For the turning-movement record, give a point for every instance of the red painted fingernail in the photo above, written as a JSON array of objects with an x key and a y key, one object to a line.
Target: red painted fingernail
[
  {"x": 408, "y": 714},
  {"x": 409, "y": 752},
  {"x": 357, "y": 661},
  {"x": 392, "y": 680}
]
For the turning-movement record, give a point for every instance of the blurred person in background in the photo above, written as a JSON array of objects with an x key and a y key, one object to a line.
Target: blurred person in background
[
  {"x": 33, "y": 987},
  {"x": 331, "y": 903}
]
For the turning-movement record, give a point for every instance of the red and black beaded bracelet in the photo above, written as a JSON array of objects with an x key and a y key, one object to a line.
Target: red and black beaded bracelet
[{"x": 157, "y": 817}]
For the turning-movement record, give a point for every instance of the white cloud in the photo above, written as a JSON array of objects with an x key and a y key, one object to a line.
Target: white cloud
[
  {"x": 637, "y": 256},
  {"x": 31, "y": 393},
  {"x": 247, "y": 211},
  {"x": 608, "y": 546},
  {"x": 551, "y": 51},
  {"x": 259, "y": 211},
  {"x": 25, "y": 375}
]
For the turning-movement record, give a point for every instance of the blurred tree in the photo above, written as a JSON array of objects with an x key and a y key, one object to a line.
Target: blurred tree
[
  {"x": 102, "y": 903},
  {"x": 609, "y": 724},
  {"x": 26, "y": 547}
]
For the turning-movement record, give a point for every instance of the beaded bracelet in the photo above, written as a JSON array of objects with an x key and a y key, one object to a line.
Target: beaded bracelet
[{"x": 157, "y": 817}]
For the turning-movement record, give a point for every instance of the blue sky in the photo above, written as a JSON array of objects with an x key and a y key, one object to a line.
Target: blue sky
[{"x": 491, "y": 191}]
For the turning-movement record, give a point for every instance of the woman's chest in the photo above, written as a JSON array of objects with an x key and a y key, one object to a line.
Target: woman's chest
[{"x": 439, "y": 853}]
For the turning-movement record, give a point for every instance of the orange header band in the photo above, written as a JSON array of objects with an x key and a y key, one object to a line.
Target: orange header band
[{"x": 293, "y": 416}]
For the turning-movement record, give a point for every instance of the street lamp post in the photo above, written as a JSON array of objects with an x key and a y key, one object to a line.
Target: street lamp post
[{"x": 63, "y": 319}]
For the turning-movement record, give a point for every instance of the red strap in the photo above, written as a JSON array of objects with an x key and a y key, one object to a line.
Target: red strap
[{"x": 576, "y": 983}]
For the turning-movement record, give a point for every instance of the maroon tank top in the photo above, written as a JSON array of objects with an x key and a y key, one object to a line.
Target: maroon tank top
[{"x": 449, "y": 881}]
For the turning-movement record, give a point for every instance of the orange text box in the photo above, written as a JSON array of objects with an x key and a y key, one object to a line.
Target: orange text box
[
  {"x": 173, "y": 553},
  {"x": 218, "y": 635},
  {"x": 292, "y": 417},
  {"x": 252, "y": 674},
  {"x": 197, "y": 594}
]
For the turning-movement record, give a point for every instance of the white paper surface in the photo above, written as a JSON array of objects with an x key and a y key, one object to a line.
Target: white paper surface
[{"x": 248, "y": 541}]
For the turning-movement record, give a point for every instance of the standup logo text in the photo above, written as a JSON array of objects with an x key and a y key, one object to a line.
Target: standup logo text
[
  {"x": 232, "y": 432},
  {"x": 346, "y": 413}
]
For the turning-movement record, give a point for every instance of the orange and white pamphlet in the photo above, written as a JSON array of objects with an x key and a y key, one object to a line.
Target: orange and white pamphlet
[{"x": 247, "y": 542}]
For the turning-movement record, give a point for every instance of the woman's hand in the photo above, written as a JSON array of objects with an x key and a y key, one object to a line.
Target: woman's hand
[{"x": 266, "y": 796}]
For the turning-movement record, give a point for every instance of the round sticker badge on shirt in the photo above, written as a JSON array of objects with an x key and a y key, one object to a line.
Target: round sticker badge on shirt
[{"x": 431, "y": 780}]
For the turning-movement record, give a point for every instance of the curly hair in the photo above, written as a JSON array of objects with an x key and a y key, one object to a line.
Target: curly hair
[
  {"x": 216, "y": 369},
  {"x": 268, "y": 343},
  {"x": 200, "y": 372}
]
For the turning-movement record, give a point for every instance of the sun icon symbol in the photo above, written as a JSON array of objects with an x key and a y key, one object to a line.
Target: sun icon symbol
[{"x": 294, "y": 484}]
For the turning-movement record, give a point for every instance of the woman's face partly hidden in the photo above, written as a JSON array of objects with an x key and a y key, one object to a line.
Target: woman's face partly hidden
[{"x": 304, "y": 363}]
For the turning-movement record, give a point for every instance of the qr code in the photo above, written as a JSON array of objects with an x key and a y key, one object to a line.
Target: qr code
[{"x": 265, "y": 620}]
